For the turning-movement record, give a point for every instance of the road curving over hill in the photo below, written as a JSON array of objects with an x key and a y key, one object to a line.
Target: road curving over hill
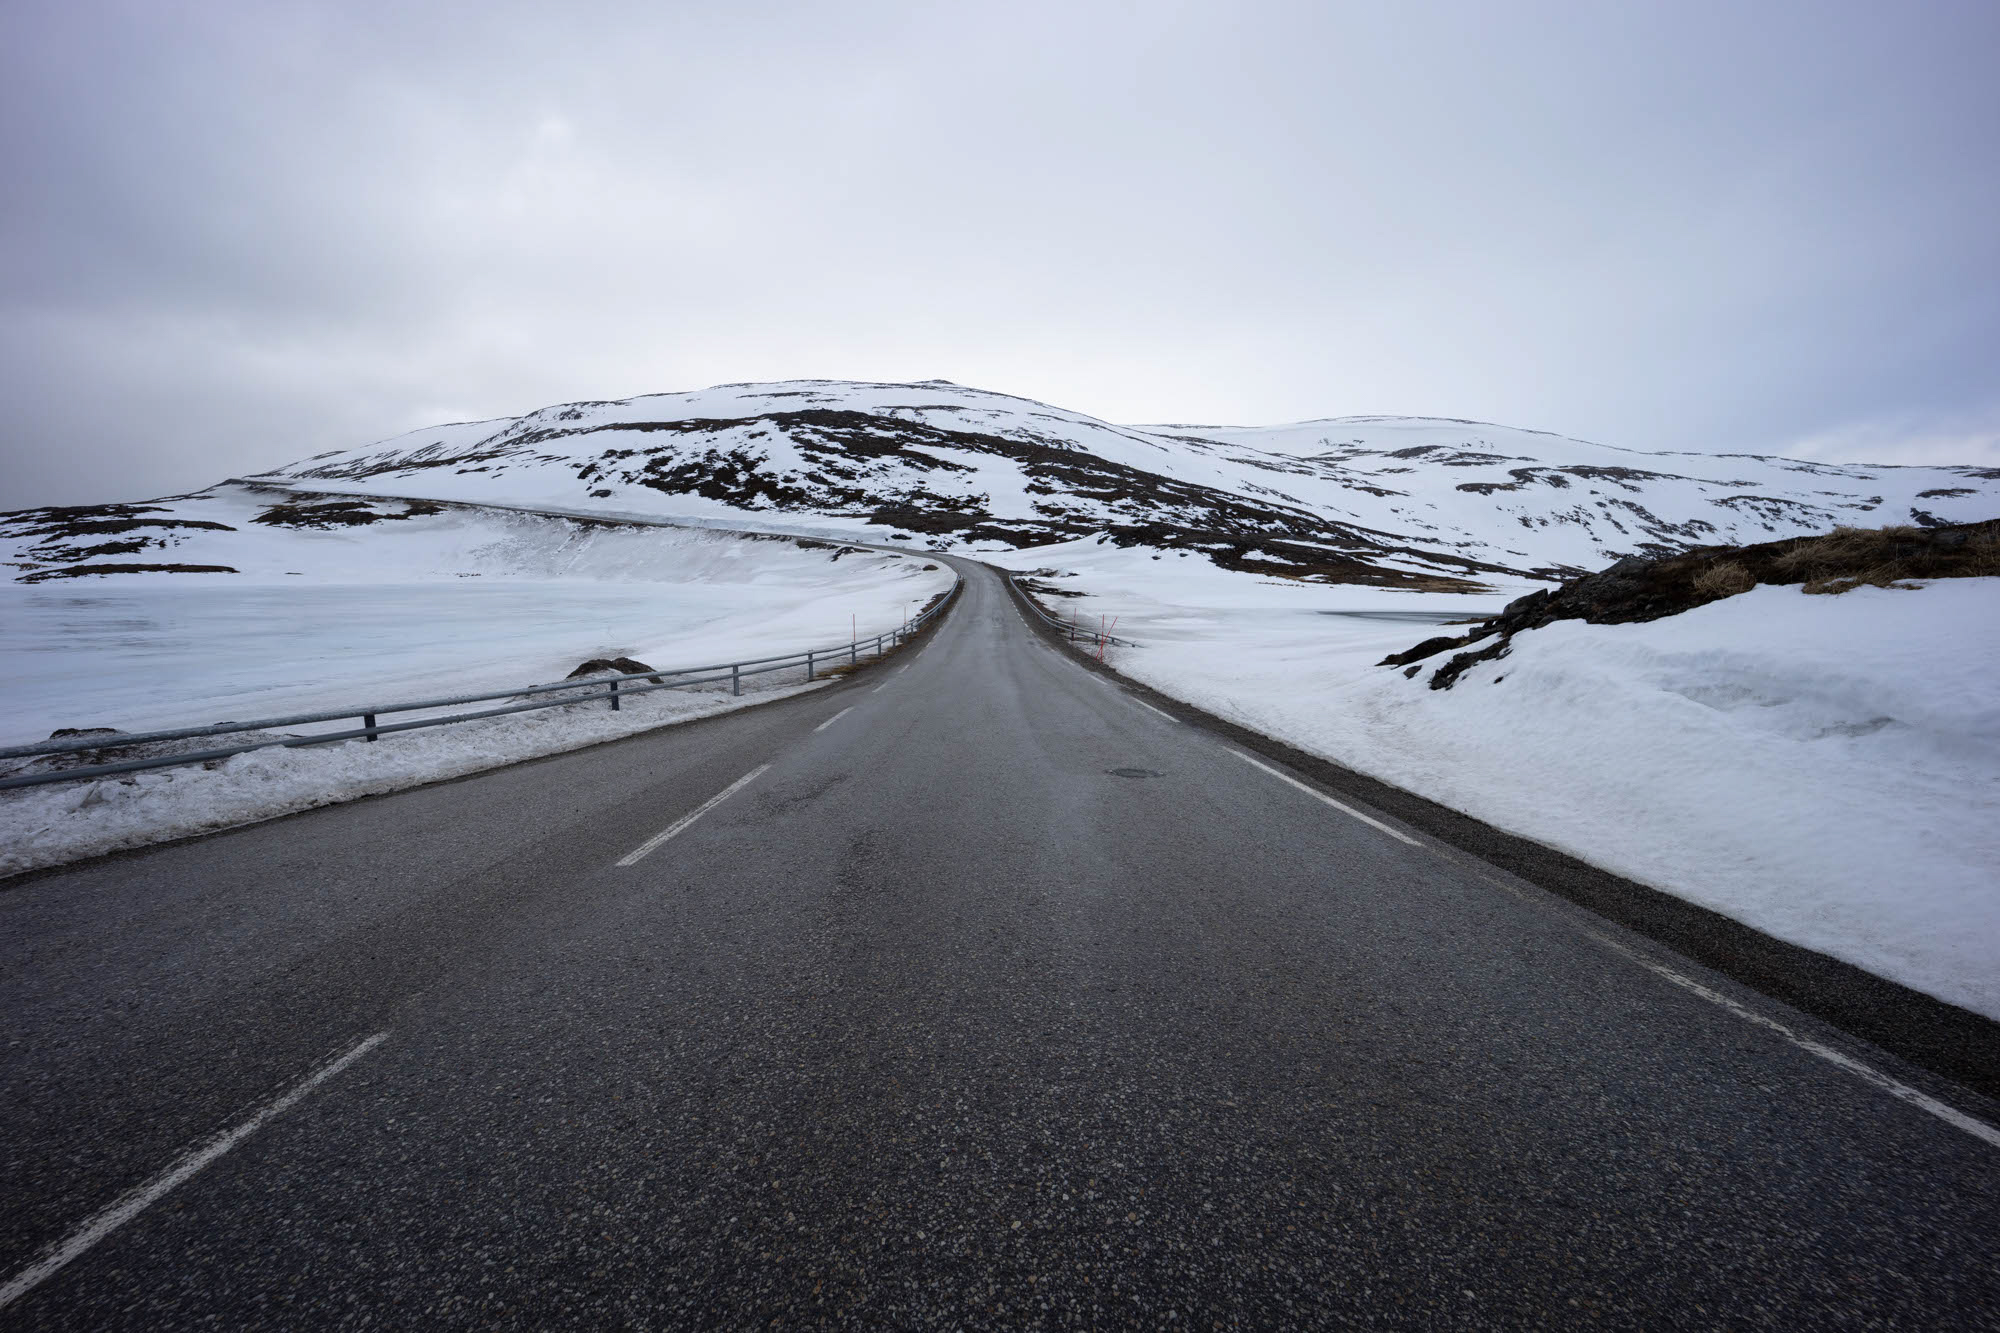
[{"x": 973, "y": 991}]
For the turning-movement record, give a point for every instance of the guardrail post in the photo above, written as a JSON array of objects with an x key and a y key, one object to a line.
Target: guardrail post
[
  {"x": 735, "y": 679},
  {"x": 809, "y": 664},
  {"x": 368, "y": 721},
  {"x": 614, "y": 696}
]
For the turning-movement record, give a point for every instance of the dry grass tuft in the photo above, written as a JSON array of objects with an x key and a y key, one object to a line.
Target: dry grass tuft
[
  {"x": 1636, "y": 589},
  {"x": 1881, "y": 576},
  {"x": 1843, "y": 552},
  {"x": 1725, "y": 579},
  {"x": 1849, "y": 558}
]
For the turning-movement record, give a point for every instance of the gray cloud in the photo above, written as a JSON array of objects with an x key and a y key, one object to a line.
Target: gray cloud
[{"x": 237, "y": 234}]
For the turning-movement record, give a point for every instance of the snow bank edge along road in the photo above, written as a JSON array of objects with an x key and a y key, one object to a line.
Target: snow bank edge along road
[
  {"x": 1823, "y": 769},
  {"x": 458, "y": 602},
  {"x": 41, "y": 827},
  {"x": 455, "y": 601}
]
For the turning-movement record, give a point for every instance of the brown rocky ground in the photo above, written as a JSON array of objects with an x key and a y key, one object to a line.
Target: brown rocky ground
[{"x": 1637, "y": 589}]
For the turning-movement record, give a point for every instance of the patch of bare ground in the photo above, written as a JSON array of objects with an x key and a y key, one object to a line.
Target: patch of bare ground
[
  {"x": 310, "y": 512},
  {"x": 1639, "y": 589},
  {"x": 1849, "y": 558},
  {"x": 1040, "y": 588},
  {"x": 75, "y": 571}
]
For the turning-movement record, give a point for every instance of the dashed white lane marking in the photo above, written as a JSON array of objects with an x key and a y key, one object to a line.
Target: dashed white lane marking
[
  {"x": 1319, "y": 795},
  {"x": 135, "y": 1201},
  {"x": 877, "y": 690},
  {"x": 1161, "y": 711},
  {"x": 821, "y": 727},
  {"x": 680, "y": 825},
  {"x": 1951, "y": 1115}
]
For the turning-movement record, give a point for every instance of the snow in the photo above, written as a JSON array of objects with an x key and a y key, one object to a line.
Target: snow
[
  {"x": 62, "y": 822},
  {"x": 454, "y": 603},
  {"x": 1422, "y": 487},
  {"x": 460, "y": 602},
  {"x": 1822, "y": 768}
]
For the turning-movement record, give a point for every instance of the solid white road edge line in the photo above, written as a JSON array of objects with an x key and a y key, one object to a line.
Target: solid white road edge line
[
  {"x": 1951, "y": 1115},
  {"x": 1319, "y": 795},
  {"x": 680, "y": 825},
  {"x": 135, "y": 1201},
  {"x": 1162, "y": 712},
  {"x": 837, "y": 716}
]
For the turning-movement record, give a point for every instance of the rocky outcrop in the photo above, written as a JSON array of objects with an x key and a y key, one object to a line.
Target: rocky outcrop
[
  {"x": 1639, "y": 589},
  {"x": 614, "y": 666}
]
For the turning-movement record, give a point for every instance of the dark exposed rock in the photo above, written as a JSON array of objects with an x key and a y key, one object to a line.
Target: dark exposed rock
[
  {"x": 1447, "y": 675},
  {"x": 75, "y": 571},
  {"x": 844, "y": 452},
  {"x": 1429, "y": 648},
  {"x": 309, "y": 512},
  {"x": 1037, "y": 588},
  {"x": 1637, "y": 588},
  {"x": 69, "y": 555},
  {"x": 613, "y": 666}
]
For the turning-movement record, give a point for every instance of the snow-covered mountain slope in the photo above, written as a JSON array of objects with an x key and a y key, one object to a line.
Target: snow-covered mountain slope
[{"x": 1416, "y": 503}]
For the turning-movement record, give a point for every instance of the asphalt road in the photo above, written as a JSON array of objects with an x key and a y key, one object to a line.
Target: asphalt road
[{"x": 995, "y": 999}]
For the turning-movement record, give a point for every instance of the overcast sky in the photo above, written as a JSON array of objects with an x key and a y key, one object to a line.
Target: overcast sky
[{"x": 233, "y": 235}]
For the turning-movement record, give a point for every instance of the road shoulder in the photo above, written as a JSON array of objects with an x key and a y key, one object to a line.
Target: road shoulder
[{"x": 1939, "y": 1038}]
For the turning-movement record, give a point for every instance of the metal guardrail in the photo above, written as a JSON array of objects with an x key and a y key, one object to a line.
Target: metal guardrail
[
  {"x": 613, "y": 689},
  {"x": 1100, "y": 638}
]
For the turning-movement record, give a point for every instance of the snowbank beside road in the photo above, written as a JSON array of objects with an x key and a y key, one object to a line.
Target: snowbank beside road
[
  {"x": 1823, "y": 768},
  {"x": 457, "y": 602},
  {"x": 52, "y": 825},
  {"x": 378, "y": 610}
]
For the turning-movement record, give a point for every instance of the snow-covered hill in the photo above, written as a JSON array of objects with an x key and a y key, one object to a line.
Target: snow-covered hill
[
  {"x": 1416, "y": 503},
  {"x": 1790, "y": 760}
]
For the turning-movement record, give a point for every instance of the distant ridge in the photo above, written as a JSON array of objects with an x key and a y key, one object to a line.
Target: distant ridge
[{"x": 1403, "y": 501}]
